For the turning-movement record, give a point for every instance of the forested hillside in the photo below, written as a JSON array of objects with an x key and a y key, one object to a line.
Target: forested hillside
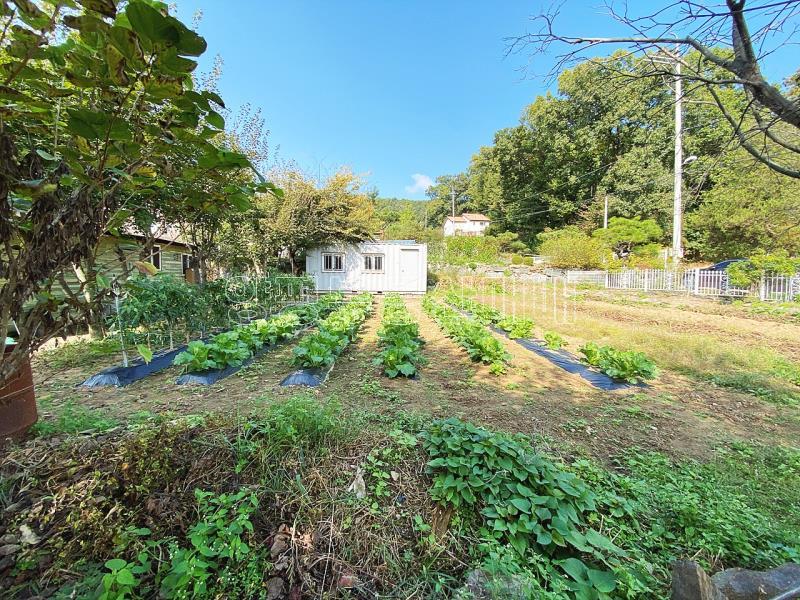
[{"x": 608, "y": 133}]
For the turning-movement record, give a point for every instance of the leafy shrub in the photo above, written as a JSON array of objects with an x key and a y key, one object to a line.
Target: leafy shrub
[
  {"x": 525, "y": 500},
  {"x": 553, "y": 341},
  {"x": 625, "y": 365},
  {"x": 336, "y": 331},
  {"x": 470, "y": 335},
  {"x": 750, "y": 271},
  {"x": 399, "y": 337},
  {"x": 570, "y": 248}
]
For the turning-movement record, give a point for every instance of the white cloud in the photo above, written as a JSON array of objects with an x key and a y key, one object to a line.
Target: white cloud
[{"x": 421, "y": 183}]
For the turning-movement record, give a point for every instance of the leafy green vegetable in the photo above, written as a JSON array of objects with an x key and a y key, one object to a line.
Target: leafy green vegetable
[
  {"x": 553, "y": 341},
  {"x": 335, "y": 333},
  {"x": 470, "y": 335},
  {"x": 234, "y": 347},
  {"x": 625, "y": 365},
  {"x": 525, "y": 500},
  {"x": 399, "y": 337}
]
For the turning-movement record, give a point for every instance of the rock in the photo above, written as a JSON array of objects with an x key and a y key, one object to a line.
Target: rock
[
  {"x": 7, "y": 563},
  {"x": 744, "y": 584},
  {"x": 9, "y": 538},
  {"x": 348, "y": 580},
  {"x": 9, "y": 549},
  {"x": 481, "y": 586},
  {"x": 279, "y": 546},
  {"x": 28, "y": 536},
  {"x": 690, "y": 582},
  {"x": 274, "y": 588},
  {"x": 394, "y": 475},
  {"x": 358, "y": 487}
]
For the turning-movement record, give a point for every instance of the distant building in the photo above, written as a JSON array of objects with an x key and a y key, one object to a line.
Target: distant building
[{"x": 467, "y": 224}]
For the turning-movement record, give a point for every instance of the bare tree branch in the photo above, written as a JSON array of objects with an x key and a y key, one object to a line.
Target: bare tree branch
[{"x": 728, "y": 55}]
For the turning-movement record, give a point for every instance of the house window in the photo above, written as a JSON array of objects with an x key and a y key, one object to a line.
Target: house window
[
  {"x": 333, "y": 262},
  {"x": 373, "y": 263},
  {"x": 155, "y": 257},
  {"x": 186, "y": 263}
]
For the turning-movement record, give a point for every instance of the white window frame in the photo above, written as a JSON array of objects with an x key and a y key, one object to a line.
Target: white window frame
[
  {"x": 333, "y": 256},
  {"x": 155, "y": 252},
  {"x": 369, "y": 259}
]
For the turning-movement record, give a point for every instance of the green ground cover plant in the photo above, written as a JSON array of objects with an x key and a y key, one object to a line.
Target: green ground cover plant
[
  {"x": 470, "y": 335},
  {"x": 336, "y": 332},
  {"x": 399, "y": 338},
  {"x": 561, "y": 530},
  {"x": 623, "y": 365}
]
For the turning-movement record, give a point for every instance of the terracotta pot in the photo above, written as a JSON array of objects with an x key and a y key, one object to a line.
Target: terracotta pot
[{"x": 17, "y": 402}]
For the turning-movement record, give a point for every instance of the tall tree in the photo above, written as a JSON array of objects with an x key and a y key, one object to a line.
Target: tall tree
[
  {"x": 708, "y": 46},
  {"x": 307, "y": 215},
  {"x": 90, "y": 123}
]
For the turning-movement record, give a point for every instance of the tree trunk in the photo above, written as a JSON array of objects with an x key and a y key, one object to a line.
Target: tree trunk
[{"x": 94, "y": 312}]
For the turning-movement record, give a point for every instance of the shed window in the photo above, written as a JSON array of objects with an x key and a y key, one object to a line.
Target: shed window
[
  {"x": 333, "y": 262},
  {"x": 373, "y": 263},
  {"x": 186, "y": 263},
  {"x": 155, "y": 257}
]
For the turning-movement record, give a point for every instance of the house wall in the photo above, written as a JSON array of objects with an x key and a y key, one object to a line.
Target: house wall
[
  {"x": 108, "y": 262},
  {"x": 405, "y": 268},
  {"x": 465, "y": 228}
]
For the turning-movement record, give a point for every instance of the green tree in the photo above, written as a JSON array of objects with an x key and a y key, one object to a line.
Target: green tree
[
  {"x": 625, "y": 236},
  {"x": 571, "y": 248},
  {"x": 747, "y": 210},
  {"x": 308, "y": 215},
  {"x": 90, "y": 125}
]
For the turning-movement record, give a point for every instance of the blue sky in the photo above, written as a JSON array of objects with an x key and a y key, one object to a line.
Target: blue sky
[{"x": 398, "y": 91}]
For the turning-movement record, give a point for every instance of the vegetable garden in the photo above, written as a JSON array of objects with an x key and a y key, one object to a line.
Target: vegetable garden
[
  {"x": 249, "y": 493},
  {"x": 400, "y": 340},
  {"x": 620, "y": 365}
]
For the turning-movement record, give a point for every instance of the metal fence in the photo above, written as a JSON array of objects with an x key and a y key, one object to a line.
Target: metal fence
[{"x": 696, "y": 282}]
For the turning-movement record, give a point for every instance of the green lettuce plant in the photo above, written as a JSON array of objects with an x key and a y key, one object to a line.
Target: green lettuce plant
[{"x": 624, "y": 365}]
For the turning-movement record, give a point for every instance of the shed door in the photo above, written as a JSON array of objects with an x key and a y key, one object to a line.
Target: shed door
[{"x": 409, "y": 269}]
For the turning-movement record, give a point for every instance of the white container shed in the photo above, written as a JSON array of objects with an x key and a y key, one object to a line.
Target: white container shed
[{"x": 392, "y": 266}]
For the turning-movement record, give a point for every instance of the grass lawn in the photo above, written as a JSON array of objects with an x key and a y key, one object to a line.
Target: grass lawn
[{"x": 247, "y": 488}]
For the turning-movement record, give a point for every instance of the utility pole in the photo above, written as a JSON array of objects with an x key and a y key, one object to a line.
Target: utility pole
[
  {"x": 677, "y": 205},
  {"x": 453, "y": 199},
  {"x": 605, "y": 213}
]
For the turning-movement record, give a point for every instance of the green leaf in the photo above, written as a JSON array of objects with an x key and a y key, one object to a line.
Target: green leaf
[
  {"x": 107, "y": 8},
  {"x": 603, "y": 581},
  {"x": 145, "y": 352},
  {"x": 575, "y": 569},
  {"x": 215, "y": 120},
  {"x": 115, "y": 564},
  {"x": 151, "y": 24},
  {"x": 125, "y": 577},
  {"x": 522, "y": 504}
]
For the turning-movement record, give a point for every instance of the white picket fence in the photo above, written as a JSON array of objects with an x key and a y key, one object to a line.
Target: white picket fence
[{"x": 696, "y": 282}]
